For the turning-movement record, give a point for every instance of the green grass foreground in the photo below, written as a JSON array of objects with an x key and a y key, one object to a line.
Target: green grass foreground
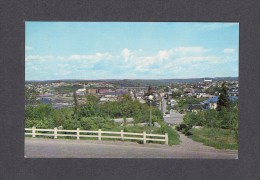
[
  {"x": 174, "y": 137},
  {"x": 217, "y": 138}
]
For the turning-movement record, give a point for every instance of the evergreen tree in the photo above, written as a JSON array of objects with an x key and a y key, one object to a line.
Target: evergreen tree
[{"x": 223, "y": 100}]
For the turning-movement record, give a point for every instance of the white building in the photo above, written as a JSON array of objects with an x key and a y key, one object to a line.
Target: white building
[
  {"x": 81, "y": 92},
  {"x": 207, "y": 80}
]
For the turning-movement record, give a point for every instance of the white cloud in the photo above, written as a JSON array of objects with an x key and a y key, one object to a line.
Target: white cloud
[
  {"x": 163, "y": 55},
  {"x": 75, "y": 57},
  {"x": 126, "y": 54},
  {"x": 177, "y": 56},
  {"x": 166, "y": 63},
  {"x": 27, "y": 48},
  {"x": 91, "y": 57},
  {"x": 94, "y": 57},
  {"x": 229, "y": 50},
  {"x": 192, "y": 49},
  {"x": 38, "y": 58},
  {"x": 62, "y": 66},
  {"x": 199, "y": 59},
  {"x": 180, "y": 52}
]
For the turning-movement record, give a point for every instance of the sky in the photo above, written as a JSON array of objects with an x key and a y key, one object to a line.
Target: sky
[{"x": 130, "y": 50}]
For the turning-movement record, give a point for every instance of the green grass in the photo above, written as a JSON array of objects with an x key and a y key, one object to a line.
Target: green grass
[
  {"x": 174, "y": 137},
  {"x": 218, "y": 138}
]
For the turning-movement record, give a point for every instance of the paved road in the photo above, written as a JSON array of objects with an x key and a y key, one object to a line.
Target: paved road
[
  {"x": 174, "y": 118},
  {"x": 163, "y": 105},
  {"x": 50, "y": 148}
]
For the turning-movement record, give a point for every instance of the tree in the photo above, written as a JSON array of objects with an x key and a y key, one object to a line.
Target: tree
[
  {"x": 223, "y": 100},
  {"x": 149, "y": 90},
  {"x": 30, "y": 95},
  {"x": 213, "y": 89},
  {"x": 76, "y": 105}
]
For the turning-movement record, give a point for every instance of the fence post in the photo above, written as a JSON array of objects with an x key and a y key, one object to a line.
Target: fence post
[
  {"x": 55, "y": 133},
  {"x": 166, "y": 138},
  {"x": 99, "y": 134},
  {"x": 122, "y": 135},
  {"x": 33, "y": 132},
  {"x": 77, "y": 133},
  {"x": 144, "y": 137}
]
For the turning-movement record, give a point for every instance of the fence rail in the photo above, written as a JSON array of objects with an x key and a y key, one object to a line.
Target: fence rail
[{"x": 97, "y": 134}]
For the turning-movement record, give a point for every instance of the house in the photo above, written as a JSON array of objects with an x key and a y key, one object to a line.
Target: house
[
  {"x": 141, "y": 100},
  {"x": 109, "y": 93},
  {"x": 81, "y": 92},
  {"x": 211, "y": 103},
  {"x": 233, "y": 91},
  {"x": 121, "y": 91},
  {"x": 233, "y": 98},
  {"x": 201, "y": 94},
  {"x": 207, "y": 96},
  {"x": 108, "y": 98},
  {"x": 196, "y": 107},
  {"x": 173, "y": 102},
  {"x": 92, "y": 91},
  {"x": 103, "y": 90},
  {"x": 44, "y": 100}
]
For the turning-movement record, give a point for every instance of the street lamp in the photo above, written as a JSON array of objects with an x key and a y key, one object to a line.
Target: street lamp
[{"x": 150, "y": 123}]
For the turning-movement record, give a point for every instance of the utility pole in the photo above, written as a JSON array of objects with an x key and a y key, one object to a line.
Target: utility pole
[{"x": 150, "y": 120}]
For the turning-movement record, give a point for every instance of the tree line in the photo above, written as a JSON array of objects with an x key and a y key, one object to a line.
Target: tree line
[{"x": 91, "y": 115}]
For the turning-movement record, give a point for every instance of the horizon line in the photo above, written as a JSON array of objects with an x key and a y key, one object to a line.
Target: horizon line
[{"x": 135, "y": 79}]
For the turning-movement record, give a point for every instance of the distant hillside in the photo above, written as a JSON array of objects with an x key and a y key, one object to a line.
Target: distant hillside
[
  {"x": 163, "y": 82},
  {"x": 139, "y": 82}
]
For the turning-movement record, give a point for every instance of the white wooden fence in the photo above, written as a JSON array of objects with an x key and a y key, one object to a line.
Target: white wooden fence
[{"x": 97, "y": 134}]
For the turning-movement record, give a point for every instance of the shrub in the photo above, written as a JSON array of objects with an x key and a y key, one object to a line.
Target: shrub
[
  {"x": 211, "y": 118},
  {"x": 87, "y": 124},
  {"x": 184, "y": 128},
  {"x": 163, "y": 129},
  {"x": 125, "y": 129},
  {"x": 181, "y": 126},
  {"x": 71, "y": 124}
]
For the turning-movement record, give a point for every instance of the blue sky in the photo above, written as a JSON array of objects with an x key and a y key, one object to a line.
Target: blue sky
[{"x": 130, "y": 50}]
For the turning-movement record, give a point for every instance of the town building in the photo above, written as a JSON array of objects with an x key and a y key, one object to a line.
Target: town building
[
  {"x": 207, "y": 80},
  {"x": 92, "y": 91}
]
